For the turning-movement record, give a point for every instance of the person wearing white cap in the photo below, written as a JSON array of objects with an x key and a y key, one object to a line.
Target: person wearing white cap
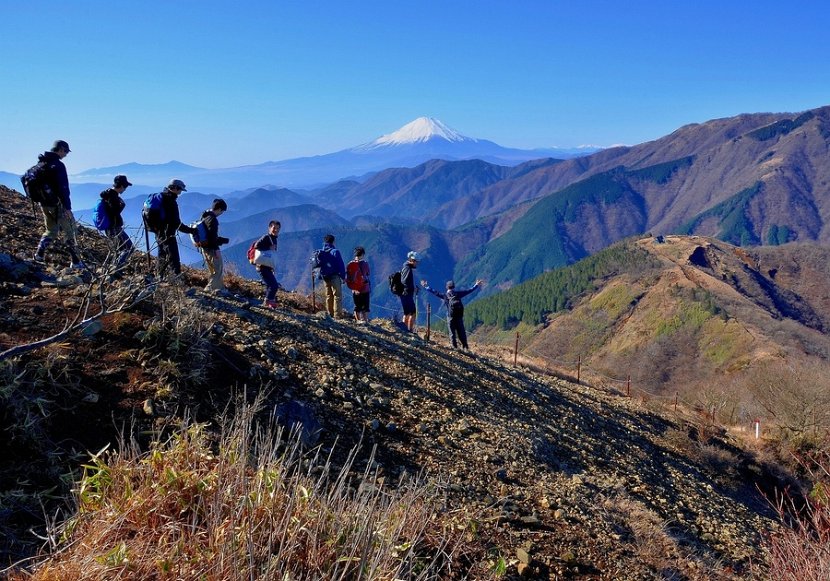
[{"x": 410, "y": 312}]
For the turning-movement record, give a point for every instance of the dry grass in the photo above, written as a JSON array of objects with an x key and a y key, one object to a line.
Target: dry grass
[
  {"x": 251, "y": 506},
  {"x": 801, "y": 551}
]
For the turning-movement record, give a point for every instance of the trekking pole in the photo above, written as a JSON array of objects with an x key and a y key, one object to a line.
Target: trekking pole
[
  {"x": 313, "y": 293},
  {"x": 578, "y": 367},
  {"x": 429, "y": 317},
  {"x": 147, "y": 241}
]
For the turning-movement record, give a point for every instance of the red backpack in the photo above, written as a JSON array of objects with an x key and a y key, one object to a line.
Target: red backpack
[
  {"x": 357, "y": 277},
  {"x": 252, "y": 252}
]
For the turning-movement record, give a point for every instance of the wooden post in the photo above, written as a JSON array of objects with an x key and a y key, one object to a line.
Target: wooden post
[
  {"x": 313, "y": 293},
  {"x": 628, "y": 386},
  {"x": 516, "y": 349},
  {"x": 578, "y": 367},
  {"x": 429, "y": 319}
]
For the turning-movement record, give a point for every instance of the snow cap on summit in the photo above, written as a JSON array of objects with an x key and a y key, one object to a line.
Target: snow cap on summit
[{"x": 422, "y": 129}]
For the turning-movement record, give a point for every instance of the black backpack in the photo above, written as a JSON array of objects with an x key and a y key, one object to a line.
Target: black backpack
[
  {"x": 396, "y": 286},
  {"x": 36, "y": 185}
]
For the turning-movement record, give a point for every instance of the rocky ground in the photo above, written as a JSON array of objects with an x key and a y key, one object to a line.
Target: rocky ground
[{"x": 564, "y": 480}]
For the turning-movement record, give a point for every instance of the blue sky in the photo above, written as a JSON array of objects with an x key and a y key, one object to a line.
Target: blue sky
[{"x": 223, "y": 83}]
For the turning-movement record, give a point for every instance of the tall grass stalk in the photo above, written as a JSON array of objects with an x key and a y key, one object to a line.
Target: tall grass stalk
[{"x": 250, "y": 503}]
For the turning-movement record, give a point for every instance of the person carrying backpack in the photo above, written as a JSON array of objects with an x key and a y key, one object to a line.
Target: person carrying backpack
[
  {"x": 211, "y": 243},
  {"x": 109, "y": 209},
  {"x": 357, "y": 279},
  {"x": 410, "y": 312},
  {"x": 57, "y": 209},
  {"x": 268, "y": 243},
  {"x": 332, "y": 271},
  {"x": 455, "y": 309},
  {"x": 165, "y": 224}
]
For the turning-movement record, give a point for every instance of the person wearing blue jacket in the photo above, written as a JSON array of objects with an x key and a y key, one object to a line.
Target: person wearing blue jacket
[
  {"x": 455, "y": 309},
  {"x": 58, "y": 218},
  {"x": 333, "y": 272}
]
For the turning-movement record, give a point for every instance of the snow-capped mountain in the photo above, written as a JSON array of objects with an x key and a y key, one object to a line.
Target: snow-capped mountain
[
  {"x": 423, "y": 139},
  {"x": 419, "y": 131}
]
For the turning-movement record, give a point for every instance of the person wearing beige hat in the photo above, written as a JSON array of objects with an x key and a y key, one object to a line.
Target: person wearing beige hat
[{"x": 169, "y": 222}]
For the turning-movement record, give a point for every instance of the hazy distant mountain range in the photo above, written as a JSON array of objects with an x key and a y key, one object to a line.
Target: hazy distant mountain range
[
  {"x": 419, "y": 141},
  {"x": 749, "y": 180}
]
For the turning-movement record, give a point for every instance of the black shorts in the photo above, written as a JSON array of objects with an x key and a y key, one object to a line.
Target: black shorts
[
  {"x": 408, "y": 304},
  {"x": 361, "y": 302}
]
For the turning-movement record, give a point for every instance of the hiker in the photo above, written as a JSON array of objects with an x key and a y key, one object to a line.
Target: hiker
[
  {"x": 57, "y": 210},
  {"x": 409, "y": 290},
  {"x": 211, "y": 243},
  {"x": 268, "y": 244},
  {"x": 455, "y": 309},
  {"x": 357, "y": 279},
  {"x": 332, "y": 271},
  {"x": 164, "y": 222},
  {"x": 112, "y": 206}
]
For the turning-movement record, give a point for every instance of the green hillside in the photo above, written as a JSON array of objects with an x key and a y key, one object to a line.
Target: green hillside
[
  {"x": 538, "y": 241},
  {"x": 532, "y": 301}
]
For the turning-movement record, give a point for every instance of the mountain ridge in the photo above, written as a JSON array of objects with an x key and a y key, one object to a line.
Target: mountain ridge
[{"x": 529, "y": 455}]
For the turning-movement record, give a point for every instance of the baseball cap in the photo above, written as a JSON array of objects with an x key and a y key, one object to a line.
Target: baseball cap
[
  {"x": 177, "y": 183},
  {"x": 121, "y": 180},
  {"x": 60, "y": 144},
  {"x": 413, "y": 255}
]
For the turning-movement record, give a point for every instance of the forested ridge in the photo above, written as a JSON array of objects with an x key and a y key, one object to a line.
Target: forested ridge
[{"x": 532, "y": 301}]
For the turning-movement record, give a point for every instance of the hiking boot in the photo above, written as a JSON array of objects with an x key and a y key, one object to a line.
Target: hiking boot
[
  {"x": 270, "y": 304},
  {"x": 39, "y": 258},
  {"x": 78, "y": 265}
]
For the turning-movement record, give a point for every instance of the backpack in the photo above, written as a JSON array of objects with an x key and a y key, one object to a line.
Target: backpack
[
  {"x": 153, "y": 213},
  {"x": 200, "y": 236},
  {"x": 36, "y": 185},
  {"x": 252, "y": 252},
  {"x": 100, "y": 218},
  {"x": 355, "y": 277},
  {"x": 396, "y": 286},
  {"x": 323, "y": 260}
]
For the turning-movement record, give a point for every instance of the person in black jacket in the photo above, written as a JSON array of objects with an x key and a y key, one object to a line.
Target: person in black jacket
[
  {"x": 113, "y": 206},
  {"x": 455, "y": 309},
  {"x": 58, "y": 218},
  {"x": 410, "y": 311},
  {"x": 168, "y": 245},
  {"x": 268, "y": 243},
  {"x": 210, "y": 246}
]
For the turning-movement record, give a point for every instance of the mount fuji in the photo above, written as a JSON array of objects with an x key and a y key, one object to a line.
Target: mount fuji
[{"x": 423, "y": 139}]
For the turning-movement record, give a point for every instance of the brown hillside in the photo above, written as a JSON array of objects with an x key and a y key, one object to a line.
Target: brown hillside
[
  {"x": 555, "y": 478},
  {"x": 712, "y": 313},
  {"x": 784, "y": 151}
]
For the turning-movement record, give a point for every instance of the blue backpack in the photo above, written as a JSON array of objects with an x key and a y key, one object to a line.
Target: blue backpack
[
  {"x": 153, "y": 213},
  {"x": 100, "y": 218},
  {"x": 323, "y": 260},
  {"x": 200, "y": 236}
]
